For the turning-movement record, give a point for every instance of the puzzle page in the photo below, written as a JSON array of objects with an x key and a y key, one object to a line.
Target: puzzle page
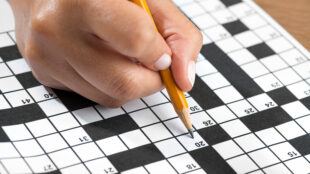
[{"x": 249, "y": 108}]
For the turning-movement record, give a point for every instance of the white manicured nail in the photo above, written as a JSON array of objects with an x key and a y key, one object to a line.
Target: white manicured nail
[
  {"x": 163, "y": 62},
  {"x": 191, "y": 72}
]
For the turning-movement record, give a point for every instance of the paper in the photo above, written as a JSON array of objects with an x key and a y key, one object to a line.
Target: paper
[{"x": 250, "y": 108}]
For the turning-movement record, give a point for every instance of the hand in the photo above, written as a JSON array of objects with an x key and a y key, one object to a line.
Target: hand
[{"x": 92, "y": 47}]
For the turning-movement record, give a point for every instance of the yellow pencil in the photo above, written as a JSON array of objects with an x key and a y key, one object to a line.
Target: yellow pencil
[{"x": 176, "y": 95}]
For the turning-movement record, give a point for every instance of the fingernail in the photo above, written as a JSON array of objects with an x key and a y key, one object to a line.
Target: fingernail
[
  {"x": 191, "y": 72},
  {"x": 163, "y": 62}
]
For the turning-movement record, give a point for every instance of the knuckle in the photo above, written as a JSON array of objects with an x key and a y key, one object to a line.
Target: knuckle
[
  {"x": 125, "y": 87},
  {"x": 141, "y": 39},
  {"x": 39, "y": 24}
]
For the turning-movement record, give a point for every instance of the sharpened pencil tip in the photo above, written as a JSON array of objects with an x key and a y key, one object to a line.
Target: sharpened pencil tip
[{"x": 190, "y": 131}]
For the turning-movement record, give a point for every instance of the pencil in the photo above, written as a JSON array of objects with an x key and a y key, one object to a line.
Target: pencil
[{"x": 176, "y": 95}]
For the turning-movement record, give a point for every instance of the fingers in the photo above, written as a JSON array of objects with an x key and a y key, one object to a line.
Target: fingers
[
  {"x": 183, "y": 38},
  {"x": 129, "y": 30}
]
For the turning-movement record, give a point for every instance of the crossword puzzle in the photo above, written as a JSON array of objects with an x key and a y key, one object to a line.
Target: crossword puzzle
[{"x": 249, "y": 108}]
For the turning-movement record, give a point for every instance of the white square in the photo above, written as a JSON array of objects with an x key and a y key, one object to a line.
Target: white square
[
  {"x": 12, "y": 34},
  {"x": 144, "y": 117},
  {"x": 193, "y": 105},
  {"x": 293, "y": 57},
  {"x": 4, "y": 70},
  {"x": 40, "y": 127},
  {"x": 228, "y": 45},
  {"x": 137, "y": 170},
  {"x": 9, "y": 84},
  {"x": 192, "y": 143},
  {"x": 40, "y": 93},
  {"x": 170, "y": 147},
  {"x": 79, "y": 168},
  {"x": 235, "y": 128},
  {"x": 17, "y": 132},
  {"x": 199, "y": 171},
  {"x": 268, "y": 82},
  {"x": 221, "y": 114},
  {"x": 28, "y": 148},
  {"x": 264, "y": 157},
  {"x": 176, "y": 126},
  {"x": 109, "y": 112},
  {"x": 242, "y": 164},
  {"x": 88, "y": 151},
  {"x": 242, "y": 108},
  {"x": 212, "y": 5},
  {"x": 204, "y": 67},
  {"x": 53, "y": 107},
  {"x": 134, "y": 105},
  {"x": 7, "y": 150},
  {"x": 285, "y": 151},
  {"x": 298, "y": 165},
  {"x": 241, "y": 10},
  {"x": 180, "y": 163},
  {"x": 156, "y": 132},
  {"x": 274, "y": 63},
  {"x": 164, "y": 111},
  {"x": 76, "y": 136},
  {"x": 40, "y": 164},
  {"x": 304, "y": 122},
  {"x": 227, "y": 149},
  {"x": 290, "y": 130},
  {"x": 242, "y": 56},
  {"x": 215, "y": 81},
  {"x": 64, "y": 121},
  {"x": 192, "y": 9},
  {"x": 223, "y": 16},
  {"x": 296, "y": 109},
  {"x": 99, "y": 165},
  {"x": 279, "y": 44},
  {"x": 19, "y": 66},
  {"x": 217, "y": 33},
  {"x": 254, "y": 69},
  {"x": 64, "y": 158},
  {"x": 248, "y": 38},
  {"x": 111, "y": 145},
  {"x": 279, "y": 168},
  {"x": 270, "y": 136},
  {"x": 249, "y": 142},
  {"x": 154, "y": 99},
  {"x": 287, "y": 76},
  {"x": 160, "y": 167},
  {"x": 300, "y": 89},
  {"x": 253, "y": 21},
  {"x": 19, "y": 98},
  {"x": 86, "y": 115},
  {"x": 228, "y": 94},
  {"x": 182, "y": 2},
  {"x": 7, "y": 24},
  {"x": 201, "y": 120},
  {"x": 303, "y": 69},
  {"x": 52, "y": 142},
  {"x": 204, "y": 21},
  {"x": 267, "y": 32},
  {"x": 200, "y": 57},
  {"x": 205, "y": 39},
  {"x": 134, "y": 138},
  {"x": 3, "y": 103},
  {"x": 5, "y": 40},
  {"x": 16, "y": 165},
  {"x": 262, "y": 102}
]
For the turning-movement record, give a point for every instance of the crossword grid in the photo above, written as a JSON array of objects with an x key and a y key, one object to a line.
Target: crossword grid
[{"x": 250, "y": 109}]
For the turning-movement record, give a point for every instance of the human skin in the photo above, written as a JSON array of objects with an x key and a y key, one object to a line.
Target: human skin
[{"x": 106, "y": 50}]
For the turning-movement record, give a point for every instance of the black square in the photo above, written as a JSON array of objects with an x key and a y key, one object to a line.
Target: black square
[
  {"x": 10, "y": 53},
  {"x": 3, "y": 136},
  {"x": 261, "y": 50},
  {"x": 110, "y": 127},
  {"x": 136, "y": 157},
  {"x": 306, "y": 102},
  {"x": 21, "y": 114},
  {"x": 266, "y": 119},
  {"x": 302, "y": 144},
  {"x": 214, "y": 134},
  {"x": 235, "y": 27},
  {"x": 72, "y": 100},
  {"x": 282, "y": 96},
  {"x": 211, "y": 161},
  {"x": 230, "y": 2},
  {"x": 27, "y": 80}
]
